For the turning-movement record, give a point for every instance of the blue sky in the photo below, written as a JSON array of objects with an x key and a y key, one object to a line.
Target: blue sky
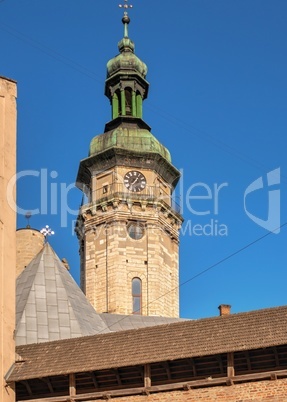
[{"x": 217, "y": 100}]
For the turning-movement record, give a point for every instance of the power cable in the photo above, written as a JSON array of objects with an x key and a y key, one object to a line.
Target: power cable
[
  {"x": 172, "y": 119},
  {"x": 198, "y": 133},
  {"x": 228, "y": 257}
]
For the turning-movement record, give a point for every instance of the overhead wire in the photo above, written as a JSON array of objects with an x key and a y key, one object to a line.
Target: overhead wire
[
  {"x": 196, "y": 132},
  {"x": 201, "y": 134},
  {"x": 204, "y": 271}
]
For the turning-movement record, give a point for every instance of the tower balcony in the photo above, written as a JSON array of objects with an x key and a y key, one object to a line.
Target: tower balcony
[{"x": 150, "y": 196}]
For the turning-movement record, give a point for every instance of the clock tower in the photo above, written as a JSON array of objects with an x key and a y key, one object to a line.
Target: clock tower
[{"x": 129, "y": 228}]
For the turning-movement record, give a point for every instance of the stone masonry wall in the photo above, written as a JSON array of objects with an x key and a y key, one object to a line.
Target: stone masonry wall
[
  {"x": 7, "y": 232},
  {"x": 28, "y": 244},
  {"x": 112, "y": 259},
  {"x": 261, "y": 391}
]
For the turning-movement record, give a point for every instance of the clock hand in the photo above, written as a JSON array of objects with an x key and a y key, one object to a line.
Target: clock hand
[{"x": 134, "y": 181}]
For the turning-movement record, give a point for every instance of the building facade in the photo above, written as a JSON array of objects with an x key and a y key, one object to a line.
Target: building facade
[{"x": 7, "y": 231}]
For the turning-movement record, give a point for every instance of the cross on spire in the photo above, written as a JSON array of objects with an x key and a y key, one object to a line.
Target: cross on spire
[
  {"x": 126, "y": 6},
  {"x": 47, "y": 231},
  {"x": 126, "y": 18}
]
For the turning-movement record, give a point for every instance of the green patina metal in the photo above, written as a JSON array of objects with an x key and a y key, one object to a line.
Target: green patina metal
[
  {"x": 126, "y": 88},
  {"x": 134, "y": 105},
  {"x": 126, "y": 60},
  {"x": 115, "y": 108},
  {"x": 123, "y": 102},
  {"x": 127, "y": 139},
  {"x": 126, "y": 31},
  {"x": 131, "y": 139},
  {"x": 126, "y": 78},
  {"x": 139, "y": 106}
]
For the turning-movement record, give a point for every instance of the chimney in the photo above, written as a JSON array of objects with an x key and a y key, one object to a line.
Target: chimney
[{"x": 224, "y": 309}]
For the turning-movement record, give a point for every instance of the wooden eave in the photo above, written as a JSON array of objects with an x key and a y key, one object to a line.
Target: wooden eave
[{"x": 223, "y": 369}]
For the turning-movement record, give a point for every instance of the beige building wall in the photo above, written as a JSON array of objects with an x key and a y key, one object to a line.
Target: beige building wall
[
  {"x": 28, "y": 244},
  {"x": 7, "y": 233},
  {"x": 110, "y": 258}
]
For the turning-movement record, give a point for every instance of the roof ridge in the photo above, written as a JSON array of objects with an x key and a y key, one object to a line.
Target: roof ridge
[
  {"x": 172, "y": 325},
  {"x": 235, "y": 333},
  {"x": 50, "y": 305}
]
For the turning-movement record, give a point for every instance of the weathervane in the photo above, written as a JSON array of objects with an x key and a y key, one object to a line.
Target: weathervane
[
  {"x": 126, "y": 6},
  {"x": 47, "y": 231}
]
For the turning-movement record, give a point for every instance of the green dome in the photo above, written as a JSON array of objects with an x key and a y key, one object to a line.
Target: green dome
[
  {"x": 126, "y": 60},
  {"x": 131, "y": 139}
]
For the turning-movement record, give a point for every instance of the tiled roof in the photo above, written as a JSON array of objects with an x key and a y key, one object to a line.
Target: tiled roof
[
  {"x": 236, "y": 332},
  {"x": 50, "y": 305}
]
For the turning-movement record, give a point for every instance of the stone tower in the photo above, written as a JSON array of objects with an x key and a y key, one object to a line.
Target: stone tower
[
  {"x": 7, "y": 232},
  {"x": 129, "y": 229},
  {"x": 28, "y": 244}
]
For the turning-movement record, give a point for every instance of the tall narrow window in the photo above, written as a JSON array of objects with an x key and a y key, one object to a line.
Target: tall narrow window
[
  {"x": 128, "y": 96},
  {"x": 119, "y": 102},
  {"x": 137, "y": 295}
]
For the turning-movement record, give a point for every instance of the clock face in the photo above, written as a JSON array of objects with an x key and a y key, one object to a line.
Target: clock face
[{"x": 135, "y": 181}]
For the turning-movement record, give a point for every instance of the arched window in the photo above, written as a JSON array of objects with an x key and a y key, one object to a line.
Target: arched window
[
  {"x": 128, "y": 97},
  {"x": 118, "y": 104},
  {"x": 137, "y": 295}
]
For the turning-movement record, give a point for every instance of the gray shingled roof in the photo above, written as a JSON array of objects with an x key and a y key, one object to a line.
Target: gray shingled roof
[
  {"x": 50, "y": 305},
  {"x": 209, "y": 336},
  {"x": 118, "y": 322}
]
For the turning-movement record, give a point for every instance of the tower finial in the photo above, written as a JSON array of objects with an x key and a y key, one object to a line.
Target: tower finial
[
  {"x": 28, "y": 216},
  {"x": 126, "y": 19}
]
